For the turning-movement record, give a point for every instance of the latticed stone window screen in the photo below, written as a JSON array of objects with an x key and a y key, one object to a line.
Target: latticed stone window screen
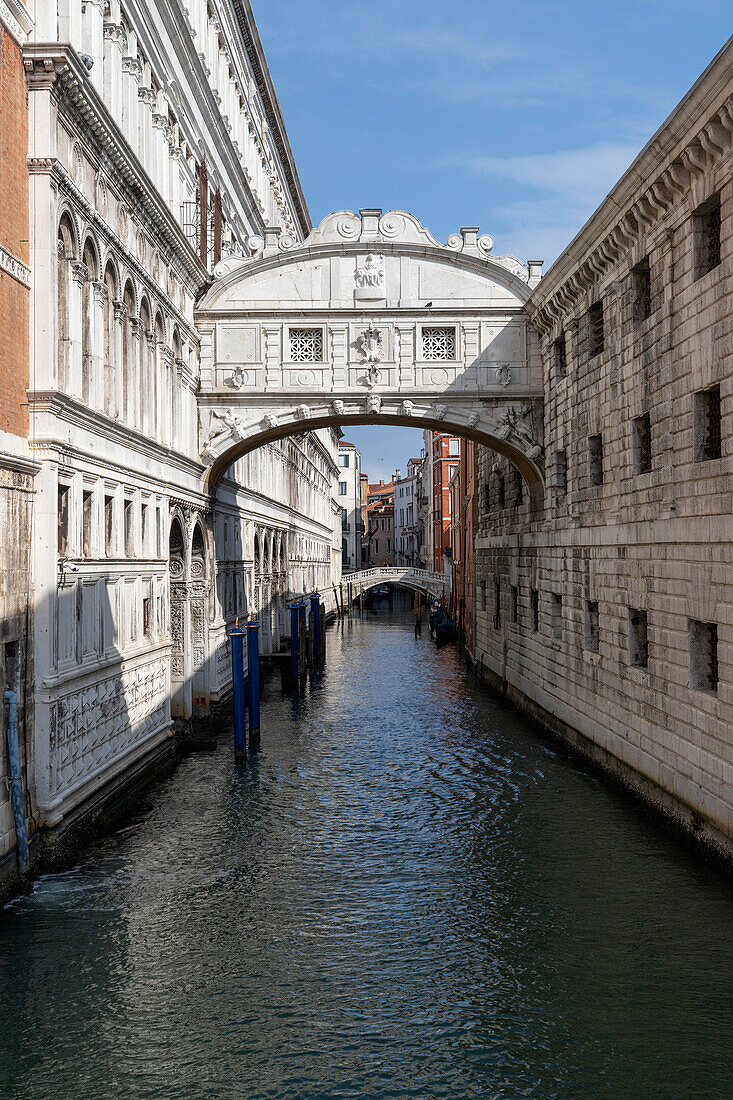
[
  {"x": 439, "y": 344},
  {"x": 306, "y": 345}
]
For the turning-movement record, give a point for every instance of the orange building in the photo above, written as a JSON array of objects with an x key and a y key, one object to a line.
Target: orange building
[
  {"x": 446, "y": 456},
  {"x": 463, "y": 525},
  {"x": 380, "y": 523}
]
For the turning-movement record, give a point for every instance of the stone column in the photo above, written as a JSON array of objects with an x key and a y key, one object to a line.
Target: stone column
[
  {"x": 131, "y": 73},
  {"x": 93, "y": 40},
  {"x": 174, "y": 180},
  {"x": 117, "y": 352},
  {"x": 135, "y": 329},
  {"x": 169, "y": 392},
  {"x": 78, "y": 274},
  {"x": 161, "y": 130},
  {"x": 146, "y": 151},
  {"x": 149, "y": 388},
  {"x": 69, "y": 24},
  {"x": 113, "y": 39},
  {"x": 96, "y": 387}
]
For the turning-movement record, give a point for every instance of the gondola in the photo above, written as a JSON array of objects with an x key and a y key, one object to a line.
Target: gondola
[{"x": 442, "y": 626}]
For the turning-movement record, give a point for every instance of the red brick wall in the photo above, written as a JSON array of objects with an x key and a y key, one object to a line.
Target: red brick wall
[{"x": 14, "y": 297}]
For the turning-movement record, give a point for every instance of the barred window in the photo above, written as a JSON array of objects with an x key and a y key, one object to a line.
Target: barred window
[
  {"x": 638, "y": 645},
  {"x": 500, "y": 491},
  {"x": 439, "y": 344},
  {"x": 595, "y": 322},
  {"x": 706, "y": 225},
  {"x": 556, "y": 615},
  {"x": 306, "y": 345},
  {"x": 518, "y": 487},
  {"x": 706, "y": 424},
  {"x": 642, "y": 443},
  {"x": 534, "y": 601},
  {"x": 703, "y": 642},
  {"x": 641, "y": 278},
  {"x": 514, "y": 603},
  {"x": 497, "y": 604}
]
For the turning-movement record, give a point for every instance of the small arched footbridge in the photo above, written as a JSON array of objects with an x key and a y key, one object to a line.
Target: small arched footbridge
[{"x": 420, "y": 580}]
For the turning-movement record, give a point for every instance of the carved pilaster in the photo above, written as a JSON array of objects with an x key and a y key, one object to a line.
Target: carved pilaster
[
  {"x": 120, "y": 311},
  {"x": 101, "y": 294},
  {"x": 79, "y": 271}
]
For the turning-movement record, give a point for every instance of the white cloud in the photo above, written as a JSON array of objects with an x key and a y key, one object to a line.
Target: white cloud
[{"x": 582, "y": 175}]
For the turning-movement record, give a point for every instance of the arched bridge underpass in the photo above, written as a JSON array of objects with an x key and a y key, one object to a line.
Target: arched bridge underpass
[{"x": 421, "y": 580}]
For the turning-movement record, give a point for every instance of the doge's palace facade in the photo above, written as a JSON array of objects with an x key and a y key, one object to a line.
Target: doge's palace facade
[{"x": 156, "y": 149}]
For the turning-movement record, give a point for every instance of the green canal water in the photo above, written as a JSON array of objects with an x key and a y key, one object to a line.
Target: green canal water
[{"x": 407, "y": 893}]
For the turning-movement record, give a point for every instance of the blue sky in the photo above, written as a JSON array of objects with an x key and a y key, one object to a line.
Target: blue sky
[{"x": 518, "y": 117}]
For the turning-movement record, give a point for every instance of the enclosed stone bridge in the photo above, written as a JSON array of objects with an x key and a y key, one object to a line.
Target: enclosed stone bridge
[
  {"x": 420, "y": 580},
  {"x": 370, "y": 321}
]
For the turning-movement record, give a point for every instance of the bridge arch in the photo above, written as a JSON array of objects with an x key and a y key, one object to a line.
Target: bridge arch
[
  {"x": 418, "y": 580},
  {"x": 370, "y": 321}
]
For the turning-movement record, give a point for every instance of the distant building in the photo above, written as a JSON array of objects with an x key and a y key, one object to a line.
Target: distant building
[
  {"x": 380, "y": 519},
  {"x": 446, "y": 453},
  {"x": 406, "y": 517},
  {"x": 364, "y": 530},
  {"x": 462, "y": 527},
  {"x": 349, "y": 499},
  {"x": 424, "y": 509}
]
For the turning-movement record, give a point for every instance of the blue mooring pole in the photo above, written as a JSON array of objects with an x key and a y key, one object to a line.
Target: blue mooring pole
[
  {"x": 240, "y": 729},
  {"x": 316, "y": 626},
  {"x": 16, "y": 783},
  {"x": 253, "y": 679},
  {"x": 294, "y": 642},
  {"x": 302, "y": 665}
]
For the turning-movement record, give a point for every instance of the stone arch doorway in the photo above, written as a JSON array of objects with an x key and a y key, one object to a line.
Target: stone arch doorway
[{"x": 189, "y": 579}]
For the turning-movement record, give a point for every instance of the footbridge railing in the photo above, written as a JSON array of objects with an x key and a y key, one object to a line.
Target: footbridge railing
[{"x": 425, "y": 580}]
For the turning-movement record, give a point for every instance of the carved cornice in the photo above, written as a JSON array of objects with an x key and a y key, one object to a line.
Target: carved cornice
[
  {"x": 14, "y": 267},
  {"x": 688, "y": 146},
  {"x": 60, "y": 66},
  {"x": 16, "y": 19}
]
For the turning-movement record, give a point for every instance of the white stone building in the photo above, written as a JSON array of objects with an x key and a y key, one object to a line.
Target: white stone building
[
  {"x": 406, "y": 515},
  {"x": 156, "y": 149},
  {"x": 349, "y": 500}
]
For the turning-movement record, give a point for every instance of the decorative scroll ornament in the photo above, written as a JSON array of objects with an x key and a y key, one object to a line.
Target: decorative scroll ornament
[
  {"x": 518, "y": 425},
  {"x": 503, "y": 375}
]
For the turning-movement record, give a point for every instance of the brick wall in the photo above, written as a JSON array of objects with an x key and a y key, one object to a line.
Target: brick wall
[{"x": 14, "y": 297}]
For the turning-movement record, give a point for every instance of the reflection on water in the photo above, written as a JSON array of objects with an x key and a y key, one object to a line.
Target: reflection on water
[{"x": 407, "y": 894}]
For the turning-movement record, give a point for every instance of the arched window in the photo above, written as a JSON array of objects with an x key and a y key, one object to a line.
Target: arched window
[
  {"x": 146, "y": 417},
  {"x": 63, "y": 290},
  {"x": 129, "y": 371},
  {"x": 89, "y": 259},
  {"x": 159, "y": 389},
  {"x": 110, "y": 341}
]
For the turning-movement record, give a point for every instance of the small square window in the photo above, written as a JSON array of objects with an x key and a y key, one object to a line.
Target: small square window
[
  {"x": 129, "y": 529},
  {"x": 344, "y": 461},
  {"x": 559, "y": 354},
  {"x": 454, "y": 448},
  {"x": 596, "y": 327},
  {"x": 595, "y": 459},
  {"x": 342, "y": 488},
  {"x": 590, "y": 626},
  {"x": 641, "y": 281},
  {"x": 706, "y": 230},
  {"x": 706, "y": 424},
  {"x": 497, "y": 604},
  {"x": 703, "y": 643},
  {"x": 306, "y": 345},
  {"x": 483, "y": 595},
  {"x": 638, "y": 645},
  {"x": 439, "y": 344},
  {"x": 561, "y": 471},
  {"x": 514, "y": 603},
  {"x": 641, "y": 435}
]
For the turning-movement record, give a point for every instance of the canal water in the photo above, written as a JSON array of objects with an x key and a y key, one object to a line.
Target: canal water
[{"x": 408, "y": 893}]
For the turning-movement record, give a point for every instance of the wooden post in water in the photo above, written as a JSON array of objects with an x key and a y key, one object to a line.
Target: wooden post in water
[
  {"x": 253, "y": 680},
  {"x": 236, "y": 638}
]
